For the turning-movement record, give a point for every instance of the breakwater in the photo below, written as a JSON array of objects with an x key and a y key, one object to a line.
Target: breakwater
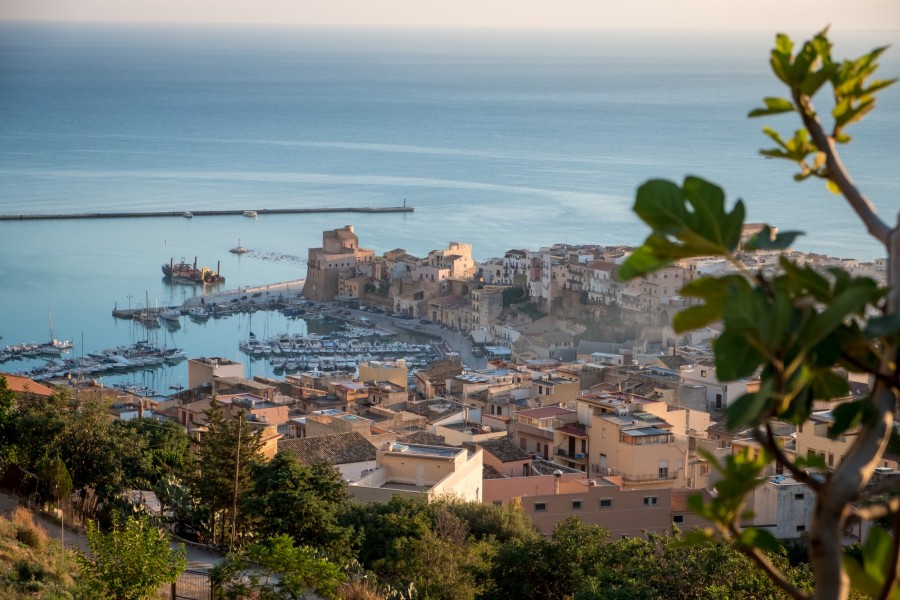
[{"x": 207, "y": 213}]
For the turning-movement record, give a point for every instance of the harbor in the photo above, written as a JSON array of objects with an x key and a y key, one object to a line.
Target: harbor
[{"x": 208, "y": 213}]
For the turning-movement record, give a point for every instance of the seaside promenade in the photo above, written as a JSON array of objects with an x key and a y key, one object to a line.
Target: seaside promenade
[{"x": 285, "y": 291}]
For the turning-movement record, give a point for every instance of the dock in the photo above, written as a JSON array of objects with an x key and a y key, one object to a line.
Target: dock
[{"x": 209, "y": 213}]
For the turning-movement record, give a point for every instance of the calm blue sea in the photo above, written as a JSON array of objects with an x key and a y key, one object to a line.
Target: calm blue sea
[{"x": 497, "y": 138}]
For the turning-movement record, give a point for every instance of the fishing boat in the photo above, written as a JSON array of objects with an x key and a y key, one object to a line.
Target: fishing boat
[
  {"x": 184, "y": 272},
  {"x": 250, "y": 213},
  {"x": 187, "y": 214}
]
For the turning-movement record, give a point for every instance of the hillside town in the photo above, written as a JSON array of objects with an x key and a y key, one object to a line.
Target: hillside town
[{"x": 557, "y": 386}]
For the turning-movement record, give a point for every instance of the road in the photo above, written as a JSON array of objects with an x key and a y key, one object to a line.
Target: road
[{"x": 200, "y": 559}]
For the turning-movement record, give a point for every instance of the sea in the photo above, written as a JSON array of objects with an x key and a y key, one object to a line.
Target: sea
[{"x": 498, "y": 138}]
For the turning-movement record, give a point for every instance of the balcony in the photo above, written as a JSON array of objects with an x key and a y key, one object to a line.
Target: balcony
[
  {"x": 573, "y": 457},
  {"x": 636, "y": 478}
]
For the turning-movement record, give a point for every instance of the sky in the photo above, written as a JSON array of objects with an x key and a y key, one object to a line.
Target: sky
[{"x": 666, "y": 14}]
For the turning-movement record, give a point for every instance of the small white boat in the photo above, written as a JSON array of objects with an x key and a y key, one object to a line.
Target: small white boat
[
  {"x": 239, "y": 249},
  {"x": 198, "y": 312},
  {"x": 170, "y": 314},
  {"x": 250, "y": 213},
  {"x": 187, "y": 214}
]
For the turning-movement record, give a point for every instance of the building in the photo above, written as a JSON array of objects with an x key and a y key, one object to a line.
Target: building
[
  {"x": 393, "y": 371},
  {"x": 782, "y": 506},
  {"x": 421, "y": 471},
  {"x": 550, "y": 498},
  {"x": 340, "y": 256},
  {"x": 351, "y": 453},
  {"x": 201, "y": 371},
  {"x": 534, "y": 428}
]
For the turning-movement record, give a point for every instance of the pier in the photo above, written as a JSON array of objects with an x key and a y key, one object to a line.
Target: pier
[{"x": 209, "y": 213}]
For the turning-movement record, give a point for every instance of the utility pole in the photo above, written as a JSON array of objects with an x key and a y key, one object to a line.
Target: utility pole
[{"x": 237, "y": 466}]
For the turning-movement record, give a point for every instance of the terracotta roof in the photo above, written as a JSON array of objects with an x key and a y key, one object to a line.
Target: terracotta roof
[
  {"x": 546, "y": 467},
  {"x": 680, "y": 498},
  {"x": 578, "y": 430},
  {"x": 335, "y": 448},
  {"x": 23, "y": 384},
  {"x": 489, "y": 472},
  {"x": 544, "y": 412},
  {"x": 673, "y": 362},
  {"x": 442, "y": 370},
  {"x": 503, "y": 449}
]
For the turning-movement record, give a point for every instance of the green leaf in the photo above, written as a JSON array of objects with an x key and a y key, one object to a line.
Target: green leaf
[
  {"x": 686, "y": 222},
  {"x": 695, "y": 317},
  {"x": 815, "y": 80},
  {"x": 847, "y": 415},
  {"x": 747, "y": 409},
  {"x": 735, "y": 358},
  {"x": 753, "y": 537},
  {"x": 860, "y": 580},
  {"x": 802, "y": 63},
  {"x": 640, "y": 262},
  {"x": 745, "y": 312},
  {"x": 849, "y": 302},
  {"x": 804, "y": 280},
  {"x": 764, "y": 240},
  {"x": 774, "y": 106},
  {"x": 876, "y": 553}
]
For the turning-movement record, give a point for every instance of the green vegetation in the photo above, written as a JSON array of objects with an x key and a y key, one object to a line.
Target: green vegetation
[
  {"x": 796, "y": 328},
  {"x": 31, "y": 565},
  {"x": 131, "y": 561}
]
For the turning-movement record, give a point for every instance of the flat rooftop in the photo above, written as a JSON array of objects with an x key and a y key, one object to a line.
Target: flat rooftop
[{"x": 421, "y": 449}]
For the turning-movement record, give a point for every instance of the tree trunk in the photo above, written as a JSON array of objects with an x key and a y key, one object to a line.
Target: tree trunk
[{"x": 855, "y": 471}]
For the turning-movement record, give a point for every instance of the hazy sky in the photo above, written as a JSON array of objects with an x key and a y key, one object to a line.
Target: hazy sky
[{"x": 722, "y": 14}]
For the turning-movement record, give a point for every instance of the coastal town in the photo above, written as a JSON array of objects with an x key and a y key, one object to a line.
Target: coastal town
[{"x": 546, "y": 381}]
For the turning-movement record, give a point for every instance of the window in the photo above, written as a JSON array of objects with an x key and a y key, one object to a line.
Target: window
[
  {"x": 498, "y": 503},
  {"x": 801, "y": 527},
  {"x": 798, "y": 496},
  {"x": 702, "y": 372},
  {"x": 649, "y": 500},
  {"x": 540, "y": 506},
  {"x": 718, "y": 400},
  {"x": 678, "y": 518},
  {"x": 605, "y": 502},
  {"x": 576, "y": 504},
  {"x": 663, "y": 469}
]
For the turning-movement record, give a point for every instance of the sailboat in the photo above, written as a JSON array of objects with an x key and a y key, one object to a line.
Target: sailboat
[
  {"x": 54, "y": 347},
  {"x": 148, "y": 317},
  {"x": 239, "y": 249}
]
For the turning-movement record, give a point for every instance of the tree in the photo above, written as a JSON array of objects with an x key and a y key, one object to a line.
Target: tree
[
  {"x": 796, "y": 327},
  {"x": 301, "y": 501},
  {"x": 7, "y": 400},
  {"x": 164, "y": 451},
  {"x": 131, "y": 561},
  {"x": 228, "y": 451},
  {"x": 276, "y": 570}
]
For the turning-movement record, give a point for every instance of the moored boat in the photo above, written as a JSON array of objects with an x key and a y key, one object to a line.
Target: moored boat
[{"x": 184, "y": 272}]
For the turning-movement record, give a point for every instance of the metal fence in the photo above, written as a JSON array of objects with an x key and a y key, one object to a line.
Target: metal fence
[{"x": 192, "y": 585}]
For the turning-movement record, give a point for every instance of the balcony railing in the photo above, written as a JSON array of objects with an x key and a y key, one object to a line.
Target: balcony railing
[
  {"x": 635, "y": 477},
  {"x": 579, "y": 457}
]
